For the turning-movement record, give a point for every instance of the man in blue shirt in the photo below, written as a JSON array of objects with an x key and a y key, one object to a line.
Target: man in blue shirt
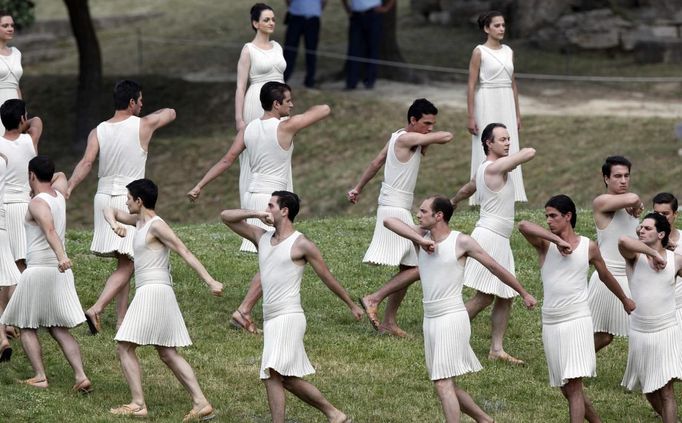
[{"x": 303, "y": 19}]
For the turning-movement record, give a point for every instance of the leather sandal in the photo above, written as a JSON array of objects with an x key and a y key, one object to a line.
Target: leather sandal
[{"x": 206, "y": 413}]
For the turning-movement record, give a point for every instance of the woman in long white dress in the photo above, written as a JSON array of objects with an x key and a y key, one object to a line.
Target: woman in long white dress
[
  {"x": 492, "y": 96},
  {"x": 10, "y": 62}
]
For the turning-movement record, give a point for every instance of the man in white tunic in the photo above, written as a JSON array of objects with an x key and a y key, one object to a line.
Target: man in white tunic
[
  {"x": 19, "y": 144},
  {"x": 565, "y": 258},
  {"x": 655, "y": 335},
  {"x": 615, "y": 213},
  {"x": 400, "y": 157},
  {"x": 495, "y": 193},
  {"x": 46, "y": 296},
  {"x": 446, "y": 323},
  {"x": 154, "y": 317},
  {"x": 269, "y": 143},
  {"x": 282, "y": 255},
  {"x": 121, "y": 143},
  {"x": 666, "y": 204}
]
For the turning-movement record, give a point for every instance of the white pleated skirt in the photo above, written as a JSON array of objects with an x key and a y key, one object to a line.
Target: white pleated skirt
[
  {"x": 283, "y": 349},
  {"x": 44, "y": 297},
  {"x": 15, "y": 214},
  {"x": 104, "y": 241},
  {"x": 654, "y": 359},
  {"x": 154, "y": 318},
  {"x": 9, "y": 273},
  {"x": 446, "y": 346},
  {"x": 569, "y": 350},
  {"x": 678, "y": 314},
  {"x": 388, "y": 248},
  {"x": 608, "y": 315},
  {"x": 476, "y": 276},
  {"x": 255, "y": 201}
]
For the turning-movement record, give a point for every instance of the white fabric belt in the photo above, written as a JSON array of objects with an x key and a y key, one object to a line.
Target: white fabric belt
[
  {"x": 41, "y": 258},
  {"x": 12, "y": 196},
  {"x": 153, "y": 276},
  {"x": 267, "y": 184},
  {"x": 443, "y": 306},
  {"x": 289, "y": 306},
  {"x": 113, "y": 185},
  {"x": 500, "y": 225},
  {"x": 501, "y": 84},
  {"x": 652, "y": 323},
  {"x": 394, "y": 197},
  {"x": 553, "y": 316}
]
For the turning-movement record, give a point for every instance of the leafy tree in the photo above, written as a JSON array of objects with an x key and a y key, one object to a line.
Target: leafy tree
[{"x": 21, "y": 11}]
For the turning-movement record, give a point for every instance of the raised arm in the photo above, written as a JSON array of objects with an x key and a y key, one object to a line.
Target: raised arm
[
  {"x": 629, "y": 248},
  {"x": 474, "y": 69},
  {"x": 235, "y": 219},
  {"x": 312, "y": 255},
  {"x": 59, "y": 182},
  {"x": 539, "y": 238},
  {"x": 297, "y": 122},
  {"x": 463, "y": 193},
  {"x": 35, "y": 130},
  {"x": 506, "y": 164},
  {"x": 165, "y": 234},
  {"x": 221, "y": 166},
  {"x": 243, "y": 67},
  {"x": 85, "y": 165},
  {"x": 40, "y": 212},
  {"x": 609, "y": 203},
  {"x": 152, "y": 122},
  {"x": 414, "y": 139},
  {"x": 369, "y": 173},
  {"x": 607, "y": 278},
  {"x": 472, "y": 249},
  {"x": 115, "y": 217},
  {"x": 410, "y": 232}
]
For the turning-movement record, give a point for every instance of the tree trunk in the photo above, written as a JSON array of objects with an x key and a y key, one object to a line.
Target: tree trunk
[
  {"x": 89, "y": 71},
  {"x": 390, "y": 50}
]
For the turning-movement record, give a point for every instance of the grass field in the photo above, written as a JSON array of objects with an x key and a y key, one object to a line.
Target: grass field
[{"x": 373, "y": 378}]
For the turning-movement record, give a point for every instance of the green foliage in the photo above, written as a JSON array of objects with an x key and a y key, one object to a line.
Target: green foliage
[{"x": 21, "y": 10}]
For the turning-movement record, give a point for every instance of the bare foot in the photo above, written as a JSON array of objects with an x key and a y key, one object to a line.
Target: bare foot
[
  {"x": 36, "y": 382},
  {"x": 503, "y": 356},
  {"x": 94, "y": 324},
  {"x": 83, "y": 386},
  {"x": 131, "y": 409},
  {"x": 200, "y": 413},
  {"x": 243, "y": 321},
  {"x": 338, "y": 417},
  {"x": 370, "y": 308},
  {"x": 392, "y": 330}
]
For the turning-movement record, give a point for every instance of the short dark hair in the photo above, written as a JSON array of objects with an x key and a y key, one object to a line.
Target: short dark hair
[
  {"x": 666, "y": 198},
  {"x": 419, "y": 108},
  {"x": 662, "y": 225},
  {"x": 4, "y": 13},
  {"x": 124, "y": 91},
  {"x": 146, "y": 190},
  {"x": 256, "y": 11},
  {"x": 443, "y": 205},
  {"x": 563, "y": 204},
  {"x": 487, "y": 134},
  {"x": 485, "y": 19},
  {"x": 612, "y": 161},
  {"x": 272, "y": 91},
  {"x": 289, "y": 200},
  {"x": 43, "y": 167},
  {"x": 11, "y": 113}
]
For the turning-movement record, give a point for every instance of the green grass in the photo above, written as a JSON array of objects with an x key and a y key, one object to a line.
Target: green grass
[{"x": 373, "y": 378}]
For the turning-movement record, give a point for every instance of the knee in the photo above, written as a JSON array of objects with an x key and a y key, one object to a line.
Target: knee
[
  {"x": 287, "y": 382},
  {"x": 166, "y": 354},
  {"x": 667, "y": 393},
  {"x": 123, "y": 348}
]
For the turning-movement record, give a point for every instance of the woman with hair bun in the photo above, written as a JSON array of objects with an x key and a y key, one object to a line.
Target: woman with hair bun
[{"x": 495, "y": 99}]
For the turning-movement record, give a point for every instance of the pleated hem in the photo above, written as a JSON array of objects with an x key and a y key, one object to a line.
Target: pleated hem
[
  {"x": 447, "y": 351},
  {"x": 608, "y": 315},
  {"x": 653, "y": 359},
  {"x": 283, "y": 349},
  {"x": 569, "y": 350},
  {"x": 476, "y": 276},
  {"x": 386, "y": 247}
]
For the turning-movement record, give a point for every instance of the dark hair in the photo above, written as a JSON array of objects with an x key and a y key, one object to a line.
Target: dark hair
[
  {"x": 614, "y": 161},
  {"x": 145, "y": 190},
  {"x": 419, "y": 108},
  {"x": 666, "y": 198},
  {"x": 289, "y": 200},
  {"x": 124, "y": 91},
  {"x": 442, "y": 204},
  {"x": 11, "y": 113},
  {"x": 256, "y": 11},
  {"x": 563, "y": 204},
  {"x": 272, "y": 91},
  {"x": 485, "y": 19},
  {"x": 662, "y": 225},
  {"x": 487, "y": 135},
  {"x": 4, "y": 13},
  {"x": 43, "y": 167}
]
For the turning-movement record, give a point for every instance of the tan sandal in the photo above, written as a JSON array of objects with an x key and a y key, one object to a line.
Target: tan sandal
[
  {"x": 132, "y": 410},
  {"x": 206, "y": 413}
]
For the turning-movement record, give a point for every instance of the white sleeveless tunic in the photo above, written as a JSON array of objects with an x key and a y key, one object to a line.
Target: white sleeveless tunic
[
  {"x": 446, "y": 322},
  {"x": 266, "y": 65},
  {"x": 395, "y": 200},
  {"x": 608, "y": 315},
  {"x": 492, "y": 232},
  {"x": 121, "y": 161},
  {"x": 655, "y": 343},
  {"x": 153, "y": 317},
  {"x": 18, "y": 152},
  {"x": 566, "y": 320},
  {"x": 10, "y": 74},
  {"x": 270, "y": 168},
  {"x": 678, "y": 286},
  {"x": 494, "y": 103},
  {"x": 44, "y": 297},
  {"x": 284, "y": 323},
  {"x": 9, "y": 273}
]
